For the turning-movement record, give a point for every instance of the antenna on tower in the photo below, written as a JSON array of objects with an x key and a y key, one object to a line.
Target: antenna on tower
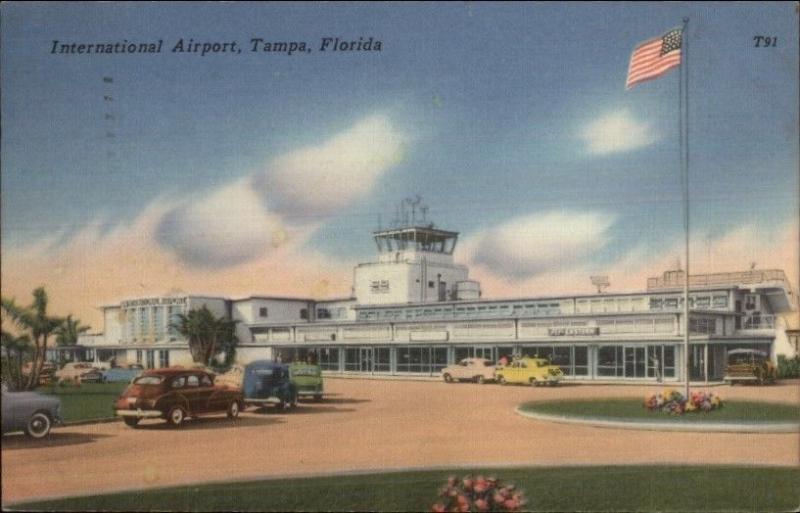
[{"x": 601, "y": 282}]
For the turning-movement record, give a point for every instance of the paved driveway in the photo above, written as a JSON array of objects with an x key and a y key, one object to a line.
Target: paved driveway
[{"x": 369, "y": 424}]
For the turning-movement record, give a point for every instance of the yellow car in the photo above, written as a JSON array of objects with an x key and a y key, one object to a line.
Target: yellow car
[{"x": 529, "y": 371}]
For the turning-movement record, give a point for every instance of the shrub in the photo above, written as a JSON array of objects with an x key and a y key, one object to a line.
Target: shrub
[{"x": 788, "y": 367}]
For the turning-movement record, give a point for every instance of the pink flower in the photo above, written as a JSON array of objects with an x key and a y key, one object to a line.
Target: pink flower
[
  {"x": 480, "y": 488},
  {"x": 482, "y": 505},
  {"x": 510, "y": 505},
  {"x": 498, "y": 498},
  {"x": 467, "y": 483},
  {"x": 462, "y": 499},
  {"x": 438, "y": 508},
  {"x": 451, "y": 481}
]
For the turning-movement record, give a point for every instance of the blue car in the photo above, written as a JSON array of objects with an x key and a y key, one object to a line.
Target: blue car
[
  {"x": 267, "y": 382},
  {"x": 122, "y": 374},
  {"x": 30, "y": 412}
]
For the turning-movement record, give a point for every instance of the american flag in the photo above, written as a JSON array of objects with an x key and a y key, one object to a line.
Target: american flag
[{"x": 654, "y": 58}]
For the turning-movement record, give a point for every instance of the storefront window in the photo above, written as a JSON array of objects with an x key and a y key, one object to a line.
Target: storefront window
[
  {"x": 669, "y": 361},
  {"x": 439, "y": 360},
  {"x": 421, "y": 359},
  {"x": 352, "y": 361},
  {"x": 328, "y": 358},
  {"x": 562, "y": 358},
  {"x": 609, "y": 361},
  {"x": 581, "y": 361},
  {"x": 382, "y": 359}
]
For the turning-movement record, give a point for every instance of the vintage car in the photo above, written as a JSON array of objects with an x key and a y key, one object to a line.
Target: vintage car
[
  {"x": 267, "y": 382},
  {"x": 175, "y": 393},
  {"x": 46, "y": 375},
  {"x": 479, "y": 370},
  {"x": 749, "y": 366},
  {"x": 75, "y": 371},
  {"x": 92, "y": 376},
  {"x": 122, "y": 374},
  {"x": 232, "y": 378},
  {"x": 30, "y": 412},
  {"x": 307, "y": 379},
  {"x": 529, "y": 371}
]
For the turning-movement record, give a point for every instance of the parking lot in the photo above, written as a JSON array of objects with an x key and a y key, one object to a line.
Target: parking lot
[{"x": 369, "y": 424}]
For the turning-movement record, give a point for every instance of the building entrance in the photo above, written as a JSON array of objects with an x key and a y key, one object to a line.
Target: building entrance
[
  {"x": 635, "y": 362},
  {"x": 365, "y": 359}
]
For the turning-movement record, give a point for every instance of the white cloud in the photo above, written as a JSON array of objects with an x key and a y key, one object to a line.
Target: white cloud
[
  {"x": 539, "y": 243},
  {"x": 221, "y": 228},
  {"x": 320, "y": 180},
  {"x": 256, "y": 214},
  {"x": 618, "y": 132},
  {"x": 731, "y": 251}
]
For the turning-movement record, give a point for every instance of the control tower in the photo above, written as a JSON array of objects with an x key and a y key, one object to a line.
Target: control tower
[{"x": 415, "y": 265}]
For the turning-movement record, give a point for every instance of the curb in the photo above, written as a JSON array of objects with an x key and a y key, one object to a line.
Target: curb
[{"x": 708, "y": 427}]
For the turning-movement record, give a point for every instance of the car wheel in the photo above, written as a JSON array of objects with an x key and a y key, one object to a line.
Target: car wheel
[
  {"x": 502, "y": 380},
  {"x": 38, "y": 425},
  {"x": 448, "y": 378},
  {"x": 533, "y": 382},
  {"x": 280, "y": 405},
  {"x": 480, "y": 380},
  {"x": 131, "y": 421},
  {"x": 176, "y": 416},
  {"x": 293, "y": 404},
  {"x": 233, "y": 410}
]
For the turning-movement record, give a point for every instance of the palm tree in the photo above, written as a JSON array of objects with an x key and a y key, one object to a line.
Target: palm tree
[
  {"x": 15, "y": 348},
  {"x": 39, "y": 327},
  {"x": 67, "y": 334},
  {"x": 206, "y": 334}
]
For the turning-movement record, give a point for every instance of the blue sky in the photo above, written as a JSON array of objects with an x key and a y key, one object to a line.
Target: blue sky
[{"x": 490, "y": 105}]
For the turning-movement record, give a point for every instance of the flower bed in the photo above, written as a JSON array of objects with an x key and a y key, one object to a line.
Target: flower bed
[
  {"x": 675, "y": 403},
  {"x": 478, "y": 494}
]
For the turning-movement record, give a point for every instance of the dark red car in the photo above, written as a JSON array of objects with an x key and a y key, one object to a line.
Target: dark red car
[{"x": 174, "y": 394}]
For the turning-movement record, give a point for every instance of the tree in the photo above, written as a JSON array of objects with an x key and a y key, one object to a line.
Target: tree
[
  {"x": 34, "y": 322},
  {"x": 67, "y": 334},
  {"x": 15, "y": 350},
  {"x": 206, "y": 334}
]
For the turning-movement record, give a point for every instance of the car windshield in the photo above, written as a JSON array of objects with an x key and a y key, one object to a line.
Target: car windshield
[{"x": 148, "y": 380}]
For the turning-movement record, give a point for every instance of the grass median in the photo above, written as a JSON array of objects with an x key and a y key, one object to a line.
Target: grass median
[
  {"x": 632, "y": 410},
  {"x": 596, "y": 488},
  {"x": 90, "y": 401}
]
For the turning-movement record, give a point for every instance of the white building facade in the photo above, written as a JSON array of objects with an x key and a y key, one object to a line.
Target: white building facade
[{"x": 415, "y": 311}]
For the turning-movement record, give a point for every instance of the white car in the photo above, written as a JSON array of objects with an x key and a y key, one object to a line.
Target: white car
[
  {"x": 73, "y": 370},
  {"x": 479, "y": 370}
]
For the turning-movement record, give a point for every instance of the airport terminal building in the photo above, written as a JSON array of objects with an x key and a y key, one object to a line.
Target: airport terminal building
[{"x": 414, "y": 310}]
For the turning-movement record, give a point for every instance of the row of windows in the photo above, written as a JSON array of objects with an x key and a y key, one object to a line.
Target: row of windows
[
  {"x": 594, "y": 305},
  {"x": 152, "y": 322},
  {"x": 631, "y": 361},
  {"x": 150, "y": 355},
  {"x": 700, "y": 302},
  {"x": 263, "y": 312}
]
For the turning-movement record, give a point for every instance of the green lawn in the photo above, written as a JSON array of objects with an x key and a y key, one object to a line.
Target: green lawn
[
  {"x": 86, "y": 402},
  {"x": 633, "y": 410},
  {"x": 626, "y": 488}
]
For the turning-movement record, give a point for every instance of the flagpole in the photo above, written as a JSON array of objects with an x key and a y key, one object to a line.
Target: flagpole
[{"x": 683, "y": 107}]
